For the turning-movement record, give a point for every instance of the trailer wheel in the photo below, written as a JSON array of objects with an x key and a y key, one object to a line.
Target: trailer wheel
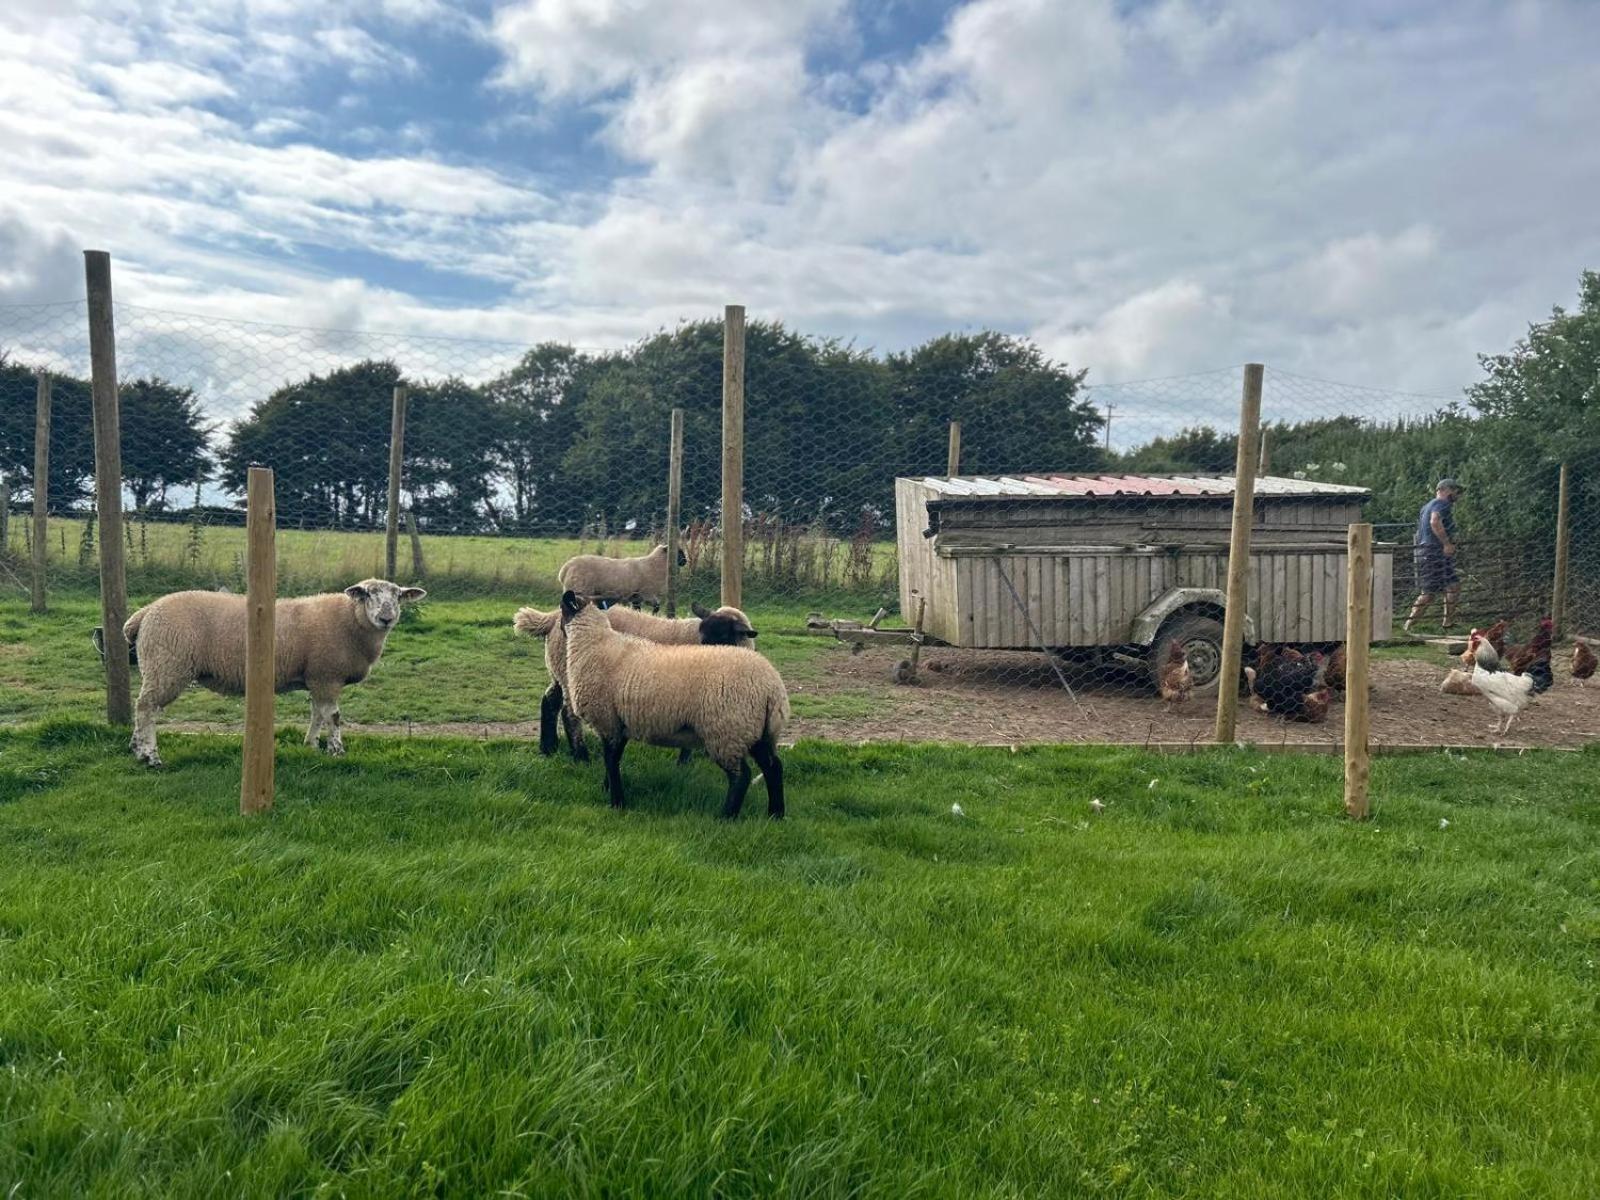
[{"x": 1201, "y": 639}]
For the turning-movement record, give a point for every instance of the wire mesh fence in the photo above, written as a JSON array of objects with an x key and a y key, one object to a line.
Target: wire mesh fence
[{"x": 964, "y": 540}]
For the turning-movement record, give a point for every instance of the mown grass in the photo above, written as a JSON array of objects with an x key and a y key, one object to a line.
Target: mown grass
[
  {"x": 445, "y": 968},
  {"x": 448, "y": 661}
]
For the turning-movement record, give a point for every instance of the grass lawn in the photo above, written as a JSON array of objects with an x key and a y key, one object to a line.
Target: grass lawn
[
  {"x": 445, "y": 968},
  {"x": 449, "y": 661}
]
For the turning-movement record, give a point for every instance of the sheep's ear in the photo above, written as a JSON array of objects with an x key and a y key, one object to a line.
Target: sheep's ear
[
  {"x": 683, "y": 559},
  {"x": 409, "y": 594},
  {"x": 699, "y": 610},
  {"x": 746, "y": 631},
  {"x": 570, "y": 604},
  {"x": 356, "y": 592}
]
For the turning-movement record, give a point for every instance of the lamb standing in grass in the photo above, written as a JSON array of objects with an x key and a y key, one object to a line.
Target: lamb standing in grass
[
  {"x": 321, "y": 643},
  {"x": 726, "y": 626},
  {"x": 732, "y": 704},
  {"x": 615, "y": 580}
]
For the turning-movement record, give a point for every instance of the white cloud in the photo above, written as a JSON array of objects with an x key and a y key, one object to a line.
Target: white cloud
[{"x": 161, "y": 84}]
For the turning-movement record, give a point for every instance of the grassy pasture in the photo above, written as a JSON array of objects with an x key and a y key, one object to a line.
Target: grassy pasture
[{"x": 445, "y": 968}]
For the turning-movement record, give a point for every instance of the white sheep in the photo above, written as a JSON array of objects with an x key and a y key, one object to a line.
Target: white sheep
[
  {"x": 731, "y": 704},
  {"x": 320, "y": 643},
  {"x": 618, "y": 580},
  {"x": 726, "y": 626}
]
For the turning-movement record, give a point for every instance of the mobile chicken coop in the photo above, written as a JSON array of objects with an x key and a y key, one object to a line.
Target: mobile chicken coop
[{"x": 1116, "y": 566}]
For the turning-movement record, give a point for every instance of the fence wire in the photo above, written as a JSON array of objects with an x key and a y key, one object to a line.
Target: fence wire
[{"x": 1056, "y": 571}]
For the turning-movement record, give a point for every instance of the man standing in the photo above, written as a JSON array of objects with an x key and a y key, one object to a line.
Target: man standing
[{"x": 1434, "y": 550}]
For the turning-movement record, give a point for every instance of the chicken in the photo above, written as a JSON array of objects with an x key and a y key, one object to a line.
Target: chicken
[
  {"x": 1334, "y": 675},
  {"x": 1495, "y": 635},
  {"x": 1533, "y": 659},
  {"x": 1508, "y": 693},
  {"x": 1583, "y": 661},
  {"x": 1470, "y": 657},
  {"x": 1175, "y": 681},
  {"x": 1458, "y": 683},
  {"x": 1290, "y": 688}
]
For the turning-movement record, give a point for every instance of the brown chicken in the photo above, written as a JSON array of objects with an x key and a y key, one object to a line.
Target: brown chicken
[
  {"x": 1533, "y": 659},
  {"x": 1334, "y": 675},
  {"x": 1314, "y": 706},
  {"x": 1495, "y": 635},
  {"x": 1485, "y": 646},
  {"x": 1583, "y": 661},
  {"x": 1175, "y": 680}
]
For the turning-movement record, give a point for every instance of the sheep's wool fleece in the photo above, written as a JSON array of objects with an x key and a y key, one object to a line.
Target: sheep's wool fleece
[
  {"x": 599, "y": 578},
  {"x": 665, "y": 631},
  {"x": 713, "y": 696},
  {"x": 201, "y": 635}
]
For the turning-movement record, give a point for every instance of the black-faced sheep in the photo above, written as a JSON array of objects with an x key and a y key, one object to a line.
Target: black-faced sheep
[
  {"x": 619, "y": 580},
  {"x": 321, "y": 644},
  {"x": 726, "y": 626},
  {"x": 730, "y": 703}
]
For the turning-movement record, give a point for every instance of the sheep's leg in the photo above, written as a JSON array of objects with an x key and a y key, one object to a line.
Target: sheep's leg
[
  {"x": 766, "y": 756},
  {"x": 549, "y": 706},
  {"x": 684, "y": 755},
  {"x": 613, "y": 752},
  {"x": 314, "y": 727},
  {"x": 154, "y": 695},
  {"x": 738, "y": 785},
  {"x": 325, "y": 717},
  {"x": 335, "y": 737},
  {"x": 575, "y": 742}
]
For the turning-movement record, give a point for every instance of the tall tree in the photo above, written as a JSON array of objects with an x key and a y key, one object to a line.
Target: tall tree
[
  {"x": 164, "y": 439},
  {"x": 536, "y": 410}
]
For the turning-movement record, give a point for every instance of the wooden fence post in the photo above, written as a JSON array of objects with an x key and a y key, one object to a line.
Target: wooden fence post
[
  {"x": 1558, "y": 589},
  {"x": 952, "y": 464},
  {"x": 418, "y": 568},
  {"x": 1238, "y": 601},
  {"x": 5, "y": 516},
  {"x": 674, "y": 503},
  {"x": 397, "y": 448},
  {"x": 733, "y": 455},
  {"x": 260, "y": 676},
  {"x": 1358, "y": 654},
  {"x": 108, "y": 484},
  {"x": 41, "y": 487},
  {"x": 1264, "y": 459}
]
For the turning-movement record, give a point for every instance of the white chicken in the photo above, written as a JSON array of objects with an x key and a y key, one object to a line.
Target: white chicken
[{"x": 1508, "y": 693}]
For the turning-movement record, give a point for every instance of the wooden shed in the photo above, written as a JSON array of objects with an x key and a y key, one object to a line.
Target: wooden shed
[{"x": 1115, "y": 560}]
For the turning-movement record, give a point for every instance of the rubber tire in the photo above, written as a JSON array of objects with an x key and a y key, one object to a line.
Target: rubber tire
[{"x": 1194, "y": 630}]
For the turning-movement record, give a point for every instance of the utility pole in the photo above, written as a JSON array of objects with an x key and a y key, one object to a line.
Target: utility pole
[{"x": 1110, "y": 408}]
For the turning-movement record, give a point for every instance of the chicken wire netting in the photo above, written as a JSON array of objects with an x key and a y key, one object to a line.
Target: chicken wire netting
[{"x": 963, "y": 540}]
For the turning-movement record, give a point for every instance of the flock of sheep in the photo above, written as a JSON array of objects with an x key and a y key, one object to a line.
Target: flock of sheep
[{"x": 629, "y": 675}]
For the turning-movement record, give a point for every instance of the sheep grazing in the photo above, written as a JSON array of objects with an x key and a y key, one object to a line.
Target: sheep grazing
[
  {"x": 726, "y": 626},
  {"x": 626, "y": 688},
  {"x": 604, "y": 580},
  {"x": 321, "y": 643}
]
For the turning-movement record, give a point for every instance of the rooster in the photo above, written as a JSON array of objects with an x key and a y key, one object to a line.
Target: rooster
[
  {"x": 1533, "y": 659},
  {"x": 1485, "y": 646},
  {"x": 1583, "y": 661},
  {"x": 1508, "y": 693},
  {"x": 1175, "y": 680}
]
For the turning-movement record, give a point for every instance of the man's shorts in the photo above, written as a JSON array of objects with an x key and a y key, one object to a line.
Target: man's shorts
[{"x": 1436, "y": 572}]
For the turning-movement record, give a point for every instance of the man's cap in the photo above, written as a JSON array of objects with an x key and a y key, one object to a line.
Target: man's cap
[{"x": 1448, "y": 484}]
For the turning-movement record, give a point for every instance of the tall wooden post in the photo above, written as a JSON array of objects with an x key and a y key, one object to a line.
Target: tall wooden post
[
  {"x": 5, "y": 515},
  {"x": 260, "y": 676},
  {"x": 1358, "y": 655},
  {"x": 952, "y": 464},
  {"x": 419, "y": 569},
  {"x": 397, "y": 450},
  {"x": 108, "y": 484},
  {"x": 1244, "y": 506},
  {"x": 1264, "y": 459},
  {"x": 1558, "y": 588},
  {"x": 41, "y": 487},
  {"x": 674, "y": 504},
  {"x": 733, "y": 455}
]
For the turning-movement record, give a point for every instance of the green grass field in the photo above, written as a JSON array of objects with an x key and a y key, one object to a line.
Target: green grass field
[{"x": 446, "y": 968}]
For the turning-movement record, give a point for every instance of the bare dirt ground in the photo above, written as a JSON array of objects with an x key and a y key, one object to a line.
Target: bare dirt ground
[{"x": 1004, "y": 697}]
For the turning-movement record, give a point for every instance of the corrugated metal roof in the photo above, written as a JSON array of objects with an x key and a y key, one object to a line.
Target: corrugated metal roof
[{"x": 1099, "y": 486}]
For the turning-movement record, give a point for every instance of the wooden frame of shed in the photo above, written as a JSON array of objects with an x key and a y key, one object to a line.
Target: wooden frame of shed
[{"x": 1104, "y": 560}]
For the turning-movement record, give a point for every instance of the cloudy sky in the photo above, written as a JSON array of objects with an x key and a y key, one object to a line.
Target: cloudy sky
[{"x": 1371, "y": 192}]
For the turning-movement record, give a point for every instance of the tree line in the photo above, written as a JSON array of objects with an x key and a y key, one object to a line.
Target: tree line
[{"x": 566, "y": 438}]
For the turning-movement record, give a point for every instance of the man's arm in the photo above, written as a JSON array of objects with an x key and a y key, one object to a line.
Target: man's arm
[{"x": 1436, "y": 523}]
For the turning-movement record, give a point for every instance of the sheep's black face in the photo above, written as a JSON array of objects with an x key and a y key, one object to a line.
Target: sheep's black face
[
  {"x": 571, "y": 606},
  {"x": 720, "y": 629},
  {"x": 683, "y": 559}
]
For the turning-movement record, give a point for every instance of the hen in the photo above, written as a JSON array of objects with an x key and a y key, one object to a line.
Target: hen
[
  {"x": 1176, "y": 680},
  {"x": 1458, "y": 683},
  {"x": 1334, "y": 675},
  {"x": 1533, "y": 659},
  {"x": 1508, "y": 693},
  {"x": 1583, "y": 661},
  {"x": 1291, "y": 689}
]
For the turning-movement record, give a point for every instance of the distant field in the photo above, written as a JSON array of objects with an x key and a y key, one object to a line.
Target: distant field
[{"x": 162, "y": 556}]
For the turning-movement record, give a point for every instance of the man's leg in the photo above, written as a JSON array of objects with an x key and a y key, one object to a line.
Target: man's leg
[
  {"x": 1451, "y": 595},
  {"x": 1420, "y": 607}
]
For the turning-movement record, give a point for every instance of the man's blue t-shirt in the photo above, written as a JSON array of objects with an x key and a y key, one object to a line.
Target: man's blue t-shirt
[{"x": 1425, "y": 535}]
